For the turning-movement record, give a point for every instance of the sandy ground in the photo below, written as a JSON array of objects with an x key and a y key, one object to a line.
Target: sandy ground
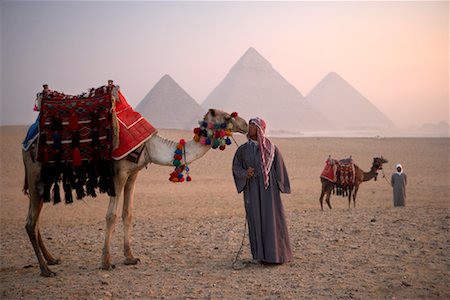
[{"x": 187, "y": 235}]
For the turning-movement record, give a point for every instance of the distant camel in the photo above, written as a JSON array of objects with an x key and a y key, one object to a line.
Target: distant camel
[
  {"x": 360, "y": 176},
  {"x": 157, "y": 150}
]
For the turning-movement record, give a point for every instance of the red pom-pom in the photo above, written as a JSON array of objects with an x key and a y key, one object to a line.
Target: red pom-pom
[
  {"x": 177, "y": 157},
  {"x": 234, "y": 114},
  {"x": 181, "y": 179},
  {"x": 189, "y": 178},
  {"x": 197, "y": 130},
  {"x": 182, "y": 142},
  {"x": 222, "y": 147}
]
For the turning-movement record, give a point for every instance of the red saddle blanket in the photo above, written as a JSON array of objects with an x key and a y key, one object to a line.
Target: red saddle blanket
[
  {"x": 134, "y": 130},
  {"x": 329, "y": 171}
]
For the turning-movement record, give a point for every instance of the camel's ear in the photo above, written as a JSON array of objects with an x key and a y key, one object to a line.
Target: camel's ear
[{"x": 212, "y": 112}]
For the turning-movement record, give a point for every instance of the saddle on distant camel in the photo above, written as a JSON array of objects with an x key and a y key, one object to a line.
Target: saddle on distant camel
[
  {"x": 341, "y": 173},
  {"x": 79, "y": 136}
]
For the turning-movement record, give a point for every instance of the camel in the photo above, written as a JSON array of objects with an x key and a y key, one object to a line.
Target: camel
[
  {"x": 157, "y": 150},
  {"x": 360, "y": 177}
]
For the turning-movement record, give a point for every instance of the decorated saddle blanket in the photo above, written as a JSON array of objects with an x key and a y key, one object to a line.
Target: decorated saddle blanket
[
  {"x": 75, "y": 128},
  {"x": 346, "y": 173}
]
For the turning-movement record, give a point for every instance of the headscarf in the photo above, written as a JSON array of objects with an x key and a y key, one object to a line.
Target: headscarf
[
  {"x": 401, "y": 169},
  {"x": 266, "y": 147}
]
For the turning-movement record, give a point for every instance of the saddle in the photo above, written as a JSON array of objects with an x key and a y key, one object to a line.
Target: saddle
[
  {"x": 75, "y": 142},
  {"x": 341, "y": 173},
  {"x": 80, "y": 136}
]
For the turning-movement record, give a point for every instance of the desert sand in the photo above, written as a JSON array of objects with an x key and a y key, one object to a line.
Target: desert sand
[{"x": 187, "y": 234}]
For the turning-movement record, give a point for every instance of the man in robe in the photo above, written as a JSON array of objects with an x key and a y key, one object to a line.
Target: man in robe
[
  {"x": 398, "y": 182},
  {"x": 259, "y": 171}
]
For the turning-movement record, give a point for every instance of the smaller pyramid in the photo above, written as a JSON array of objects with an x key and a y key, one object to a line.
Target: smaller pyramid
[
  {"x": 167, "y": 105},
  {"x": 345, "y": 107}
]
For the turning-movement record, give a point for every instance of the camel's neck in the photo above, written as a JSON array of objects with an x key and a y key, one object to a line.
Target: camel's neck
[
  {"x": 369, "y": 175},
  {"x": 161, "y": 150}
]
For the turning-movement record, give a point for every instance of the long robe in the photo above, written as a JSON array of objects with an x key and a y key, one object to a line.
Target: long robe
[
  {"x": 268, "y": 232},
  {"x": 398, "y": 182}
]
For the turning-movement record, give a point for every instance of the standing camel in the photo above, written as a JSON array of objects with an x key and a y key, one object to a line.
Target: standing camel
[
  {"x": 360, "y": 177},
  {"x": 157, "y": 150}
]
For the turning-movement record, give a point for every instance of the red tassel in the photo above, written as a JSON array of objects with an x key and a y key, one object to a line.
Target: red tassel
[
  {"x": 73, "y": 122},
  {"x": 45, "y": 159},
  {"x": 76, "y": 157}
]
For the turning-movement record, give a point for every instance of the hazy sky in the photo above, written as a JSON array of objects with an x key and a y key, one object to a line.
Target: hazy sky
[{"x": 395, "y": 53}]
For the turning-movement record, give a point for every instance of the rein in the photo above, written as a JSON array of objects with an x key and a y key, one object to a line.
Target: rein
[{"x": 384, "y": 176}]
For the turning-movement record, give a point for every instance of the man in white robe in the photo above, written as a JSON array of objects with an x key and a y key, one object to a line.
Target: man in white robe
[{"x": 398, "y": 182}]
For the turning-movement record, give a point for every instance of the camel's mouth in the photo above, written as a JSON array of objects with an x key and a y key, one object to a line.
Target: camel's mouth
[{"x": 242, "y": 131}]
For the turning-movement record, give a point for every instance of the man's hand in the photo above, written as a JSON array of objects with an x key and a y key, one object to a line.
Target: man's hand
[{"x": 250, "y": 172}]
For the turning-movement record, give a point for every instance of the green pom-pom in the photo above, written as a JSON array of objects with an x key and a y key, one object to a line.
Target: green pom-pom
[{"x": 176, "y": 162}]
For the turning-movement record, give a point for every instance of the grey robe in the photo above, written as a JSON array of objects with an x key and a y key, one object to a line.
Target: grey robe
[
  {"x": 268, "y": 233},
  {"x": 398, "y": 183}
]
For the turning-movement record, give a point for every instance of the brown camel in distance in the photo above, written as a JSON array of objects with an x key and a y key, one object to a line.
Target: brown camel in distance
[
  {"x": 360, "y": 177},
  {"x": 157, "y": 150}
]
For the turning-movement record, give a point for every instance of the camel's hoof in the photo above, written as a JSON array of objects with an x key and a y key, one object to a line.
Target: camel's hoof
[
  {"x": 108, "y": 266},
  {"x": 47, "y": 273},
  {"x": 131, "y": 261},
  {"x": 53, "y": 262}
]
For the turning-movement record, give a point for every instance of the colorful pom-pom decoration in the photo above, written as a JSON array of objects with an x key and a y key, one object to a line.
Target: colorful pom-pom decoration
[
  {"x": 177, "y": 175},
  {"x": 215, "y": 134}
]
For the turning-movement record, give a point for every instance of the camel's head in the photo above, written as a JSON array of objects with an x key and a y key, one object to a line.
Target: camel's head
[
  {"x": 219, "y": 117},
  {"x": 378, "y": 163}
]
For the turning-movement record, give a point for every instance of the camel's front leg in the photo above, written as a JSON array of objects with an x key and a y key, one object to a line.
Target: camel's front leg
[
  {"x": 111, "y": 215},
  {"x": 354, "y": 196},
  {"x": 127, "y": 214}
]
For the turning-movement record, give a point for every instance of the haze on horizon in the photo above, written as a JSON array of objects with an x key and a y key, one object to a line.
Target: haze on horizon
[{"x": 395, "y": 54}]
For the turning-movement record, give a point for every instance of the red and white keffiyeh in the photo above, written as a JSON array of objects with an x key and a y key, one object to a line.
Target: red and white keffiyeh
[{"x": 266, "y": 147}]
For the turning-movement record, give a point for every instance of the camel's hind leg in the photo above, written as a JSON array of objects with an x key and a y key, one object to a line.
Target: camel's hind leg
[
  {"x": 32, "y": 227},
  {"x": 48, "y": 257},
  {"x": 127, "y": 214}
]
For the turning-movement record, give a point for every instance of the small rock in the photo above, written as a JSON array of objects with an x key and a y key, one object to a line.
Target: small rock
[
  {"x": 373, "y": 220},
  {"x": 405, "y": 283}
]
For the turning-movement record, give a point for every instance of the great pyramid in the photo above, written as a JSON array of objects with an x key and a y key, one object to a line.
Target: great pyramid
[
  {"x": 346, "y": 108},
  {"x": 254, "y": 88},
  {"x": 167, "y": 105}
]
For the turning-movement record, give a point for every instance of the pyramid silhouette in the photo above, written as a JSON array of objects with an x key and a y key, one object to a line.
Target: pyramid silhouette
[
  {"x": 167, "y": 105},
  {"x": 254, "y": 88},
  {"x": 345, "y": 107}
]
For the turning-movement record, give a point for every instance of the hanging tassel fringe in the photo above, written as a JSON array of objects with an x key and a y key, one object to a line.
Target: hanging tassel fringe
[{"x": 56, "y": 195}]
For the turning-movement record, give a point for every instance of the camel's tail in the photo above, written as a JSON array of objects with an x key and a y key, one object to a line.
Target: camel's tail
[{"x": 25, "y": 185}]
